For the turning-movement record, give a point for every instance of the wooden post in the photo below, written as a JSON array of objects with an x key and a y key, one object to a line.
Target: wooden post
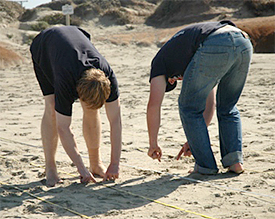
[{"x": 67, "y": 20}]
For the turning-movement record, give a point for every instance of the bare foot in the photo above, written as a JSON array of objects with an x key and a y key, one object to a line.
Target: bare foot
[
  {"x": 236, "y": 168},
  {"x": 98, "y": 169},
  {"x": 52, "y": 178},
  {"x": 96, "y": 164}
]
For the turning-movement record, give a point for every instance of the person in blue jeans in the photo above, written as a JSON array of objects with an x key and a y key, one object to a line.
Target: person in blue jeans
[{"x": 210, "y": 58}]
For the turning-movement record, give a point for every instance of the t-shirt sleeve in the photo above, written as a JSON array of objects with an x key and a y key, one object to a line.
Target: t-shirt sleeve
[
  {"x": 85, "y": 33},
  {"x": 105, "y": 67},
  {"x": 158, "y": 68},
  {"x": 114, "y": 88}
]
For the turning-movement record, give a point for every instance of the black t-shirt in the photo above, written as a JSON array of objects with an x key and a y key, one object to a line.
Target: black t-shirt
[
  {"x": 63, "y": 54},
  {"x": 173, "y": 58}
]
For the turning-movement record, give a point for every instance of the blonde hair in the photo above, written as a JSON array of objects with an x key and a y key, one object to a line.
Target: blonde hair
[{"x": 93, "y": 88}]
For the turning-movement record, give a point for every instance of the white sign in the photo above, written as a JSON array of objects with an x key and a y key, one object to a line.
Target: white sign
[{"x": 67, "y": 9}]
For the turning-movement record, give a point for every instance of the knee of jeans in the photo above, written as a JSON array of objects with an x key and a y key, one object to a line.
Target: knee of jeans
[
  {"x": 184, "y": 112},
  {"x": 182, "y": 102},
  {"x": 227, "y": 112},
  {"x": 182, "y": 106}
]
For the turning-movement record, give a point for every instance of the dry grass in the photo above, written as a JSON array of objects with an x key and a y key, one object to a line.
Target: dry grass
[
  {"x": 261, "y": 31},
  {"x": 10, "y": 11},
  {"x": 260, "y": 7},
  {"x": 141, "y": 38},
  {"x": 8, "y": 57}
]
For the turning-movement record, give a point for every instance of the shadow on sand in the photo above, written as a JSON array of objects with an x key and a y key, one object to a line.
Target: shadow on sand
[{"x": 94, "y": 199}]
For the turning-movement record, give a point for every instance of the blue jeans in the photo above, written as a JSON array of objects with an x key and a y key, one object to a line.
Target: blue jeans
[{"x": 223, "y": 59}]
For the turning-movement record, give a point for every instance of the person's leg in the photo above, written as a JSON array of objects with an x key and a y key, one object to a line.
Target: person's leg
[
  {"x": 211, "y": 61},
  {"x": 191, "y": 114},
  {"x": 49, "y": 133},
  {"x": 199, "y": 79},
  {"x": 92, "y": 136},
  {"x": 49, "y": 140},
  {"x": 228, "y": 93}
]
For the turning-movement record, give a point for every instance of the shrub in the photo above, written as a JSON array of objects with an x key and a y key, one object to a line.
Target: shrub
[
  {"x": 27, "y": 15},
  {"x": 86, "y": 9},
  {"x": 121, "y": 17},
  {"x": 55, "y": 5},
  {"x": 76, "y": 21},
  {"x": 53, "y": 19},
  {"x": 59, "y": 18},
  {"x": 10, "y": 36},
  {"x": 260, "y": 8},
  {"x": 39, "y": 26}
]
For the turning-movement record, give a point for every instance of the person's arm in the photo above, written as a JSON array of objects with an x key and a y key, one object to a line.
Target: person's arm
[
  {"x": 67, "y": 139},
  {"x": 114, "y": 117},
  {"x": 207, "y": 115},
  {"x": 157, "y": 91}
]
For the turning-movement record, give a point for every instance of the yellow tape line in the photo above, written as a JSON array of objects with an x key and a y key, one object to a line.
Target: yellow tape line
[
  {"x": 46, "y": 201},
  {"x": 159, "y": 202},
  {"x": 140, "y": 196},
  {"x": 133, "y": 194}
]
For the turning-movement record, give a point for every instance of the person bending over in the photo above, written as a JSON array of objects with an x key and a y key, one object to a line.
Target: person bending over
[
  {"x": 68, "y": 67},
  {"x": 204, "y": 56}
]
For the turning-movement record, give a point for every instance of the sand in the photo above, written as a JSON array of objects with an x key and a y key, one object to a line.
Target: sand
[{"x": 146, "y": 188}]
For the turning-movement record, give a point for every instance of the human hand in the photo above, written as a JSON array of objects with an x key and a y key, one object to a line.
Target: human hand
[
  {"x": 155, "y": 152},
  {"x": 112, "y": 172},
  {"x": 86, "y": 176},
  {"x": 185, "y": 150},
  {"x": 175, "y": 78}
]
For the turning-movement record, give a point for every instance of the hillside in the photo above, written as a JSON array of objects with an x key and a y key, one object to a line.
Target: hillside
[{"x": 155, "y": 16}]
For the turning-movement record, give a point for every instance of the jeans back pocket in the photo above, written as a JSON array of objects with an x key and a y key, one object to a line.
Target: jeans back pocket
[{"x": 213, "y": 64}]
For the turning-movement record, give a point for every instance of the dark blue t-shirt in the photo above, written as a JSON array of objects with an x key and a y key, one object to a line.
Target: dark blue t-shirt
[
  {"x": 173, "y": 58},
  {"x": 63, "y": 54}
]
